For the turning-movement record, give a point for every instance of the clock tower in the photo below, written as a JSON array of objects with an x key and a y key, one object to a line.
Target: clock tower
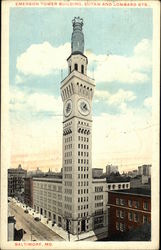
[{"x": 77, "y": 92}]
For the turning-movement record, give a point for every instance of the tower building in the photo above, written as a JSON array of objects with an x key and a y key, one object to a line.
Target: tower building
[
  {"x": 73, "y": 200},
  {"x": 77, "y": 92}
]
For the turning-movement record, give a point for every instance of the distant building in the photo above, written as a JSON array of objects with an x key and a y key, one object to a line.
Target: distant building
[
  {"x": 132, "y": 173},
  {"x": 97, "y": 172},
  {"x": 28, "y": 194},
  {"x": 111, "y": 169},
  {"x": 140, "y": 181},
  {"x": 36, "y": 172},
  {"x": 16, "y": 181},
  {"x": 128, "y": 209},
  {"x": 144, "y": 170}
]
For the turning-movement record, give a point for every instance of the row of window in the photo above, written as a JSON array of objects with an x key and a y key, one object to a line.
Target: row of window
[
  {"x": 119, "y": 186},
  {"x": 80, "y": 191},
  {"x": 68, "y": 199},
  {"x": 82, "y": 176},
  {"x": 82, "y": 214},
  {"x": 80, "y": 183},
  {"x": 68, "y": 169},
  {"x": 46, "y": 194},
  {"x": 68, "y": 146},
  {"x": 83, "y": 161},
  {"x": 67, "y": 124},
  {"x": 122, "y": 227},
  {"x": 99, "y": 189},
  {"x": 68, "y": 154},
  {"x": 68, "y": 183},
  {"x": 99, "y": 204},
  {"x": 99, "y": 211},
  {"x": 82, "y": 199},
  {"x": 83, "y": 207},
  {"x": 98, "y": 220},
  {"x": 135, "y": 204},
  {"x": 83, "y": 153},
  {"x": 98, "y": 197},
  {"x": 82, "y": 168},
  {"x": 48, "y": 186},
  {"x": 68, "y": 139},
  {"x": 81, "y": 138},
  {"x": 68, "y": 161},
  {"x": 83, "y": 146},
  {"x": 68, "y": 191},
  {"x": 68, "y": 206},
  {"x": 83, "y": 123},
  {"x": 68, "y": 176}
]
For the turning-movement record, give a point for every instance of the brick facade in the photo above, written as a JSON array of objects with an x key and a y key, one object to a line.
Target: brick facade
[{"x": 128, "y": 210}]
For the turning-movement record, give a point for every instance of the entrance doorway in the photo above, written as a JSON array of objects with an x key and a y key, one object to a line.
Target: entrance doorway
[{"x": 83, "y": 226}]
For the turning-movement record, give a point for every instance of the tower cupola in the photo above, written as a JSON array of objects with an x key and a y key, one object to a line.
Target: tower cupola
[{"x": 77, "y": 40}]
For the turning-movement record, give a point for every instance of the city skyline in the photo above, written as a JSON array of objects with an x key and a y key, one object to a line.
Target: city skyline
[{"x": 122, "y": 71}]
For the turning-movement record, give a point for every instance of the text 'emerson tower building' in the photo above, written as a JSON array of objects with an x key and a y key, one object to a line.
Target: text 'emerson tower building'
[{"x": 77, "y": 92}]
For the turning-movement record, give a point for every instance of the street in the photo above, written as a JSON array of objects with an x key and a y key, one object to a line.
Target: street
[{"x": 34, "y": 230}]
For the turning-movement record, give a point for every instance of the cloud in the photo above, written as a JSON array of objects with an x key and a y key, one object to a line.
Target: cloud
[
  {"x": 34, "y": 102},
  {"x": 148, "y": 102},
  {"x": 19, "y": 79},
  {"x": 43, "y": 59},
  {"x": 119, "y": 98},
  {"x": 122, "y": 139},
  {"x": 123, "y": 69}
]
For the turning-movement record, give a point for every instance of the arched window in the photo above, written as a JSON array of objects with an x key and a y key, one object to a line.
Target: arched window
[
  {"x": 76, "y": 66},
  {"x": 82, "y": 69}
]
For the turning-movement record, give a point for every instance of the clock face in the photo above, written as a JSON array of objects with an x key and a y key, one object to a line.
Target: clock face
[
  {"x": 68, "y": 108},
  {"x": 83, "y": 107}
]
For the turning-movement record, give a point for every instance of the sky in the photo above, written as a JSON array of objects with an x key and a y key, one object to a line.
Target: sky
[{"x": 118, "y": 44}]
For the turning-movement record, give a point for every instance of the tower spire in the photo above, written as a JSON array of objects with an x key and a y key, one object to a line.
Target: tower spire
[{"x": 77, "y": 40}]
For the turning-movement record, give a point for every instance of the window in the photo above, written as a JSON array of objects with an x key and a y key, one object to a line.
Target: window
[
  {"x": 136, "y": 204},
  {"x": 145, "y": 205},
  {"x": 117, "y": 201},
  {"x": 122, "y": 202},
  {"x": 130, "y": 203},
  {"x": 76, "y": 66},
  {"x": 78, "y": 145},
  {"x": 136, "y": 217},
  {"x": 122, "y": 227},
  {"x": 117, "y": 225},
  {"x": 82, "y": 69},
  {"x": 122, "y": 214},
  {"x": 117, "y": 213},
  {"x": 145, "y": 218},
  {"x": 130, "y": 216},
  {"x": 69, "y": 69}
]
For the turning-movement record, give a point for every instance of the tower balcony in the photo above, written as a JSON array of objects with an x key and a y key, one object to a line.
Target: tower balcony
[{"x": 79, "y": 76}]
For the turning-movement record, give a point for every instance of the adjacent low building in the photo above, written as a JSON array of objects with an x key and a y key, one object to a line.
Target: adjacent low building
[
  {"x": 128, "y": 210},
  {"x": 50, "y": 201},
  {"x": 28, "y": 193}
]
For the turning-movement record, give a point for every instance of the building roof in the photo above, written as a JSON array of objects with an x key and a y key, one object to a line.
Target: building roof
[
  {"x": 117, "y": 179},
  {"x": 134, "y": 191}
]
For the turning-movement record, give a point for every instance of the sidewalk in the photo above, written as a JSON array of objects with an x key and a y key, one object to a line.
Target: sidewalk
[{"x": 88, "y": 236}]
